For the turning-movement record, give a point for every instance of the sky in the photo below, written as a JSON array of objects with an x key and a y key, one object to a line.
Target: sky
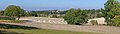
[{"x": 53, "y": 4}]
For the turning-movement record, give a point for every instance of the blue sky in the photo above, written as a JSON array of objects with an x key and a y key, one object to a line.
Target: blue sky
[{"x": 53, "y": 4}]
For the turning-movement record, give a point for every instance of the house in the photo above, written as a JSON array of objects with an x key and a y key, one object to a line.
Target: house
[{"x": 100, "y": 21}]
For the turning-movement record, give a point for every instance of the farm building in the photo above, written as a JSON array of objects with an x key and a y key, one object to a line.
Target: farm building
[{"x": 99, "y": 21}]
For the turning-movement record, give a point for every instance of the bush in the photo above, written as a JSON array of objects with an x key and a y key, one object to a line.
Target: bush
[{"x": 94, "y": 22}]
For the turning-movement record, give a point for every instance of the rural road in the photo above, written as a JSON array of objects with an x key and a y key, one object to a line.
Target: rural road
[{"x": 79, "y": 28}]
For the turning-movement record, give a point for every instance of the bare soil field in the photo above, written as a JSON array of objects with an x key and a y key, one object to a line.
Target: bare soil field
[{"x": 78, "y": 28}]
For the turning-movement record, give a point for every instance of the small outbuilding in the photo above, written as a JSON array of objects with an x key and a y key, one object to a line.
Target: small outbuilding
[{"x": 99, "y": 21}]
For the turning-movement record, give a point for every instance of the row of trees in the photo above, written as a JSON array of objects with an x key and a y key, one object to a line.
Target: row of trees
[
  {"x": 45, "y": 13},
  {"x": 111, "y": 12},
  {"x": 14, "y": 11},
  {"x": 78, "y": 16}
]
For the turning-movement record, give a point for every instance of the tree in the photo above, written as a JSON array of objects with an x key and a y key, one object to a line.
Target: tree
[
  {"x": 69, "y": 16},
  {"x": 28, "y": 14},
  {"x": 14, "y": 11},
  {"x": 116, "y": 21},
  {"x": 34, "y": 13},
  {"x": 112, "y": 9},
  {"x": 76, "y": 16},
  {"x": 81, "y": 16},
  {"x": 1, "y": 12},
  {"x": 100, "y": 12}
]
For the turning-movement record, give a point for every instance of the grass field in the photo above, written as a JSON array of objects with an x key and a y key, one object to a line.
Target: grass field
[{"x": 41, "y": 31}]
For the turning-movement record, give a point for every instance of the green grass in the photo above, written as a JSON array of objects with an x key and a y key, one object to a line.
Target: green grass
[
  {"x": 45, "y": 31},
  {"x": 6, "y": 18}
]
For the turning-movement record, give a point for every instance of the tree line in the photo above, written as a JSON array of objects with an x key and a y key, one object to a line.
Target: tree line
[
  {"x": 79, "y": 16},
  {"x": 111, "y": 12},
  {"x": 14, "y": 11}
]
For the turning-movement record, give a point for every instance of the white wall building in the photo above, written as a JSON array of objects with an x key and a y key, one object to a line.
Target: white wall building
[{"x": 99, "y": 21}]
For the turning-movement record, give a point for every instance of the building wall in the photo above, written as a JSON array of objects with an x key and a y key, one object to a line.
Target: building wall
[{"x": 100, "y": 21}]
